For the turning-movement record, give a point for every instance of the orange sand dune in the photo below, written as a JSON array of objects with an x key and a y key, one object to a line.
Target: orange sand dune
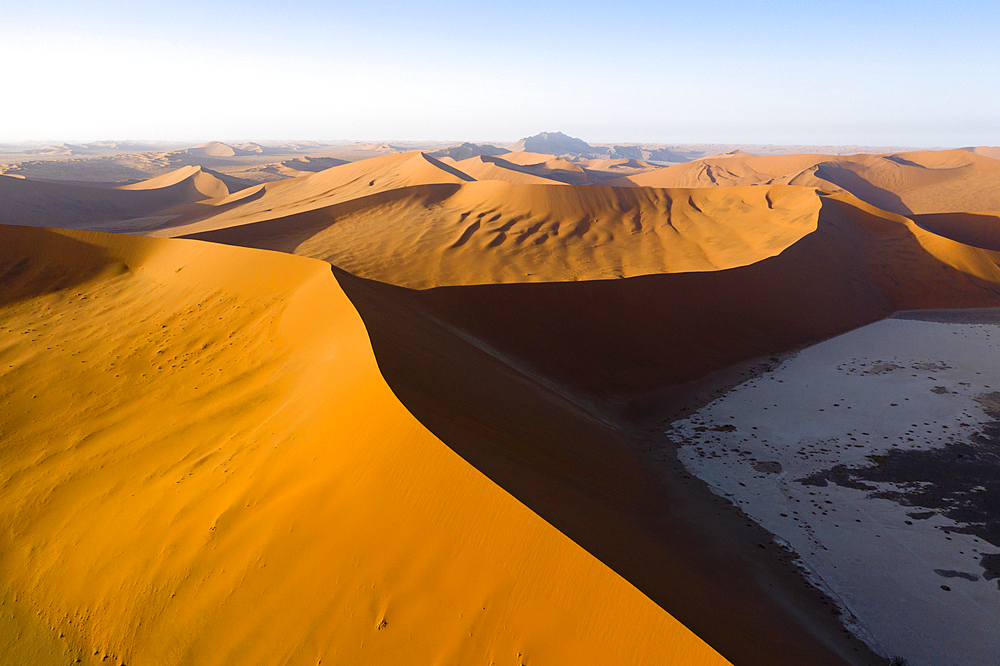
[
  {"x": 609, "y": 165},
  {"x": 559, "y": 169},
  {"x": 489, "y": 232},
  {"x": 614, "y": 342},
  {"x": 38, "y": 203},
  {"x": 200, "y": 179},
  {"x": 976, "y": 229},
  {"x": 725, "y": 170},
  {"x": 296, "y": 167},
  {"x": 574, "y": 171},
  {"x": 202, "y": 465},
  {"x": 215, "y": 149},
  {"x": 549, "y": 167},
  {"x": 357, "y": 182},
  {"x": 916, "y": 182},
  {"x": 494, "y": 168},
  {"x": 528, "y": 159}
]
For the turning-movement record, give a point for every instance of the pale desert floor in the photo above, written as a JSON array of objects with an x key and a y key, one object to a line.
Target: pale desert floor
[{"x": 873, "y": 456}]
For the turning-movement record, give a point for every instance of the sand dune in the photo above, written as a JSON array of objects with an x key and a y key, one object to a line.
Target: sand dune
[
  {"x": 215, "y": 149},
  {"x": 617, "y": 342},
  {"x": 202, "y": 180},
  {"x": 495, "y": 168},
  {"x": 202, "y": 464},
  {"x": 492, "y": 232},
  {"x": 917, "y": 182},
  {"x": 545, "y": 166},
  {"x": 36, "y": 203},
  {"x": 528, "y": 158},
  {"x": 980, "y": 230},
  {"x": 755, "y": 270},
  {"x": 986, "y": 151},
  {"x": 356, "y": 183},
  {"x": 618, "y": 164}
]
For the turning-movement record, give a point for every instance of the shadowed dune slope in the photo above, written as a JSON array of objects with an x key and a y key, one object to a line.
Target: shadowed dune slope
[
  {"x": 916, "y": 182},
  {"x": 526, "y": 380},
  {"x": 615, "y": 340},
  {"x": 54, "y": 204},
  {"x": 489, "y": 232},
  {"x": 687, "y": 549},
  {"x": 484, "y": 167},
  {"x": 201, "y": 464},
  {"x": 980, "y": 230}
]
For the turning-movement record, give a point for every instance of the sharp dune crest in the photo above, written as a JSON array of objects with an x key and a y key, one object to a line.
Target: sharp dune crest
[
  {"x": 232, "y": 481},
  {"x": 201, "y": 180}
]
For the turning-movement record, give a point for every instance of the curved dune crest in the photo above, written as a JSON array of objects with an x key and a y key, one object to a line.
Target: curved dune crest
[
  {"x": 202, "y": 464},
  {"x": 489, "y": 232},
  {"x": 201, "y": 180}
]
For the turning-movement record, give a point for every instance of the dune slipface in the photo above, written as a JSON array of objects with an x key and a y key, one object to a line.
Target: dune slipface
[{"x": 202, "y": 464}]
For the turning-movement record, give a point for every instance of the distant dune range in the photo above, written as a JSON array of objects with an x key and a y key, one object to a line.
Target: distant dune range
[
  {"x": 918, "y": 182},
  {"x": 536, "y": 314}
]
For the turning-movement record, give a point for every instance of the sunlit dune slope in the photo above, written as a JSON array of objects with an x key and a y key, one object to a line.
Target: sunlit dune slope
[
  {"x": 917, "y": 182},
  {"x": 40, "y": 203},
  {"x": 196, "y": 178},
  {"x": 487, "y": 232},
  {"x": 201, "y": 464}
]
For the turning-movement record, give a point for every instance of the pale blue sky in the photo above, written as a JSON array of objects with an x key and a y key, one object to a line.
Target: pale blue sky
[{"x": 876, "y": 73}]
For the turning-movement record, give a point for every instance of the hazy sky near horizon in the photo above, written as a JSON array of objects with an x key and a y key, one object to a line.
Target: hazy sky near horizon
[{"x": 888, "y": 72}]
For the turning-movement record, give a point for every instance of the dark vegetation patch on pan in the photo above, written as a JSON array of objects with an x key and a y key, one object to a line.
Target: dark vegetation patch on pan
[{"x": 960, "y": 480}]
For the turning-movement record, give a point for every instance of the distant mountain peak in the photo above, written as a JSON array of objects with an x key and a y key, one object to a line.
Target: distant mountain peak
[
  {"x": 555, "y": 143},
  {"x": 467, "y": 150}
]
